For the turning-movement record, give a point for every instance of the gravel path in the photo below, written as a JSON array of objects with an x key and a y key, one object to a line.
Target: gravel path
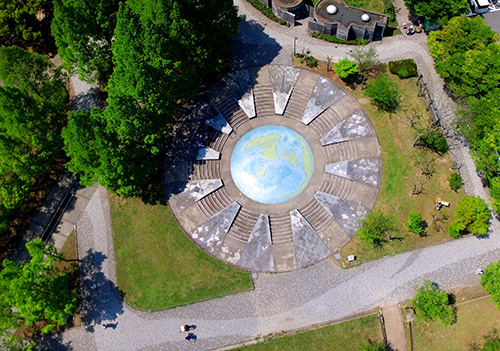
[{"x": 288, "y": 301}]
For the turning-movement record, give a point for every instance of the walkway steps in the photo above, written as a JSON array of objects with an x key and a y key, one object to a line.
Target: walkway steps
[{"x": 264, "y": 103}]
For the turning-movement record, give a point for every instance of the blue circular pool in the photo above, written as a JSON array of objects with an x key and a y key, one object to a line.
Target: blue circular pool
[{"x": 272, "y": 164}]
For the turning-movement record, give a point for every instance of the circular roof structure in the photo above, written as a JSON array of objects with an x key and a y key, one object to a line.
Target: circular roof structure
[
  {"x": 284, "y": 164},
  {"x": 365, "y": 17}
]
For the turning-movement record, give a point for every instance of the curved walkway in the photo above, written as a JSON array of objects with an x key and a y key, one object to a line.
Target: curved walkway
[{"x": 287, "y": 301}]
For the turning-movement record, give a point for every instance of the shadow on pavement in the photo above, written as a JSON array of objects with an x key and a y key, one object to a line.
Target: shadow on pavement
[
  {"x": 101, "y": 299},
  {"x": 52, "y": 342}
]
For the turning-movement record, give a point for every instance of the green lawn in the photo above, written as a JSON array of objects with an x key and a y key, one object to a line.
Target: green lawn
[
  {"x": 157, "y": 264},
  {"x": 339, "y": 337},
  {"x": 475, "y": 320},
  {"x": 401, "y": 169},
  {"x": 368, "y": 5}
]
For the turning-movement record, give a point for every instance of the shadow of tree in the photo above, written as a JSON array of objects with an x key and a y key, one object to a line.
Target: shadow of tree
[
  {"x": 101, "y": 300},
  {"x": 52, "y": 342}
]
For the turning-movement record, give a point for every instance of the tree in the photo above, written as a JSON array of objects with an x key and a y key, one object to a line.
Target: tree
[
  {"x": 415, "y": 223},
  {"x": 376, "y": 227},
  {"x": 37, "y": 290},
  {"x": 438, "y": 11},
  {"x": 365, "y": 58},
  {"x": 467, "y": 56},
  {"x": 384, "y": 94},
  {"x": 471, "y": 216},
  {"x": 18, "y": 18},
  {"x": 433, "y": 139},
  {"x": 490, "y": 281},
  {"x": 344, "y": 68},
  {"x": 432, "y": 303},
  {"x": 32, "y": 112},
  {"x": 83, "y": 30},
  {"x": 161, "y": 53}
]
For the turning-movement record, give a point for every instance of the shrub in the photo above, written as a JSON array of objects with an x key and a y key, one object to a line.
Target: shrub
[
  {"x": 334, "y": 39},
  {"x": 471, "y": 216},
  {"x": 384, "y": 94},
  {"x": 311, "y": 61},
  {"x": 490, "y": 281},
  {"x": 376, "y": 227},
  {"x": 433, "y": 139},
  {"x": 432, "y": 303},
  {"x": 495, "y": 193},
  {"x": 404, "y": 68},
  {"x": 415, "y": 223},
  {"x": 455, "y": 181},
  {"x": 344, "y": 68}
]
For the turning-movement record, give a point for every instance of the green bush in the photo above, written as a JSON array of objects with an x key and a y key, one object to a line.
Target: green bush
[
  {"x": 433, "y": 139},
  {"x": 266, "y": 12},
  {"x": 455, "y": 181},
  {"x": 432, "y": 303},
  {"x": 376, "y": 227},
  {"x": 311, "y": 61},
  {"x": 345, "y": 67},
  {"x": 471, "y": 216},
  {"x": 334, "y": 39},
  {"x": 404, "y": 68},
  {"x": 415, "y": 223},
  {"x": 384, "y": 94},
  {"x": 495, "y": 193}
]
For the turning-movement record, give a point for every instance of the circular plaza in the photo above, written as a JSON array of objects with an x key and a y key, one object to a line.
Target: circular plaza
[{"x": 286, "y": 164}]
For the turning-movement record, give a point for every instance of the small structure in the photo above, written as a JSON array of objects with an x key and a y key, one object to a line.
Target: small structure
[
  {"x": 287, "y": 9},
  {"x": 334, "y": 17}
]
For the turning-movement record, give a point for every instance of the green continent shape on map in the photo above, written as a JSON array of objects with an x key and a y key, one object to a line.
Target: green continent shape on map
[
  {"x": 261, "y": 171},
  {"x": 307, "y": 166},
  {"x": 269, "y": 144}
]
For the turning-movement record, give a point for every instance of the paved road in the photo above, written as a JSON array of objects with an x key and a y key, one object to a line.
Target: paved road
[{"x": 289, "y": 301}]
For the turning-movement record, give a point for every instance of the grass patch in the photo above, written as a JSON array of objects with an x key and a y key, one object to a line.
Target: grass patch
[
  {"x": 475, "y": 320},
  {"x": 401, "y": 169},
  {"x": 339, "y": 337},
  {"x": 334, "y": 39},
  {"x": 266, "y": 12},
  {"x": 157, "y": 264}
]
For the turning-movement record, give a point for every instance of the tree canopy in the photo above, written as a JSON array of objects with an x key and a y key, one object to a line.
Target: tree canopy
[
  {"x": 83, "y": 30},
  {"x": 376, "y": 227},
  {"x": 471, "y": 216},
  {"x": 32, "y": 113},
  {"x": 345, "y": 67},
  {"x": 162, "y": 50},
  {"x": 490, "y": 281},
  {"x": 18, "y": 18},
  {"x": 384, "y": 94},
  {"x": 438, "y": 11},
  {"x": 36, "y": 289},
  {"x": 432, "y": 303},
  {"x": 467, "y": 55}
]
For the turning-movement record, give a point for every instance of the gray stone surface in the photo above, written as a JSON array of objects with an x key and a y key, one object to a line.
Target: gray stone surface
[
  {"x": 207, "y": 153},
  {"x": 283, "y": 79},
  {"x": 219, "y": 123},
  {"x": 365, "y": 170},
  {"x": 325, "y": 93},
  {"x": 346, "y": 213},
  {"x": 194, "y": 190},
  {"x": 258, "y": 253},
  {"x": 211, "y": 234},
  {"x": 247, "y": 104},
  {"x": 309, "y": 247},
  {"x": 355, "y": 127}
]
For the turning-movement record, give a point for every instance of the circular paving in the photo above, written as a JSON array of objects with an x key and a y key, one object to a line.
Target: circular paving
[
  {"x": 287, "y": 163},
  {"x": 271, "y": 164}
]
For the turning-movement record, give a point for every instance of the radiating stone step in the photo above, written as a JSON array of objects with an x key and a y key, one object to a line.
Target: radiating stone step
[
  {"x": 258, "y": 253},
  {"x": 283, "y": 79},
  {"x": 357, "y": 126},
  {"x": 325, "y": 93}
]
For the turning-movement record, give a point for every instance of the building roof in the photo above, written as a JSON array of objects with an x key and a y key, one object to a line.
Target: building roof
[{"x": 347, "y": 15}]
